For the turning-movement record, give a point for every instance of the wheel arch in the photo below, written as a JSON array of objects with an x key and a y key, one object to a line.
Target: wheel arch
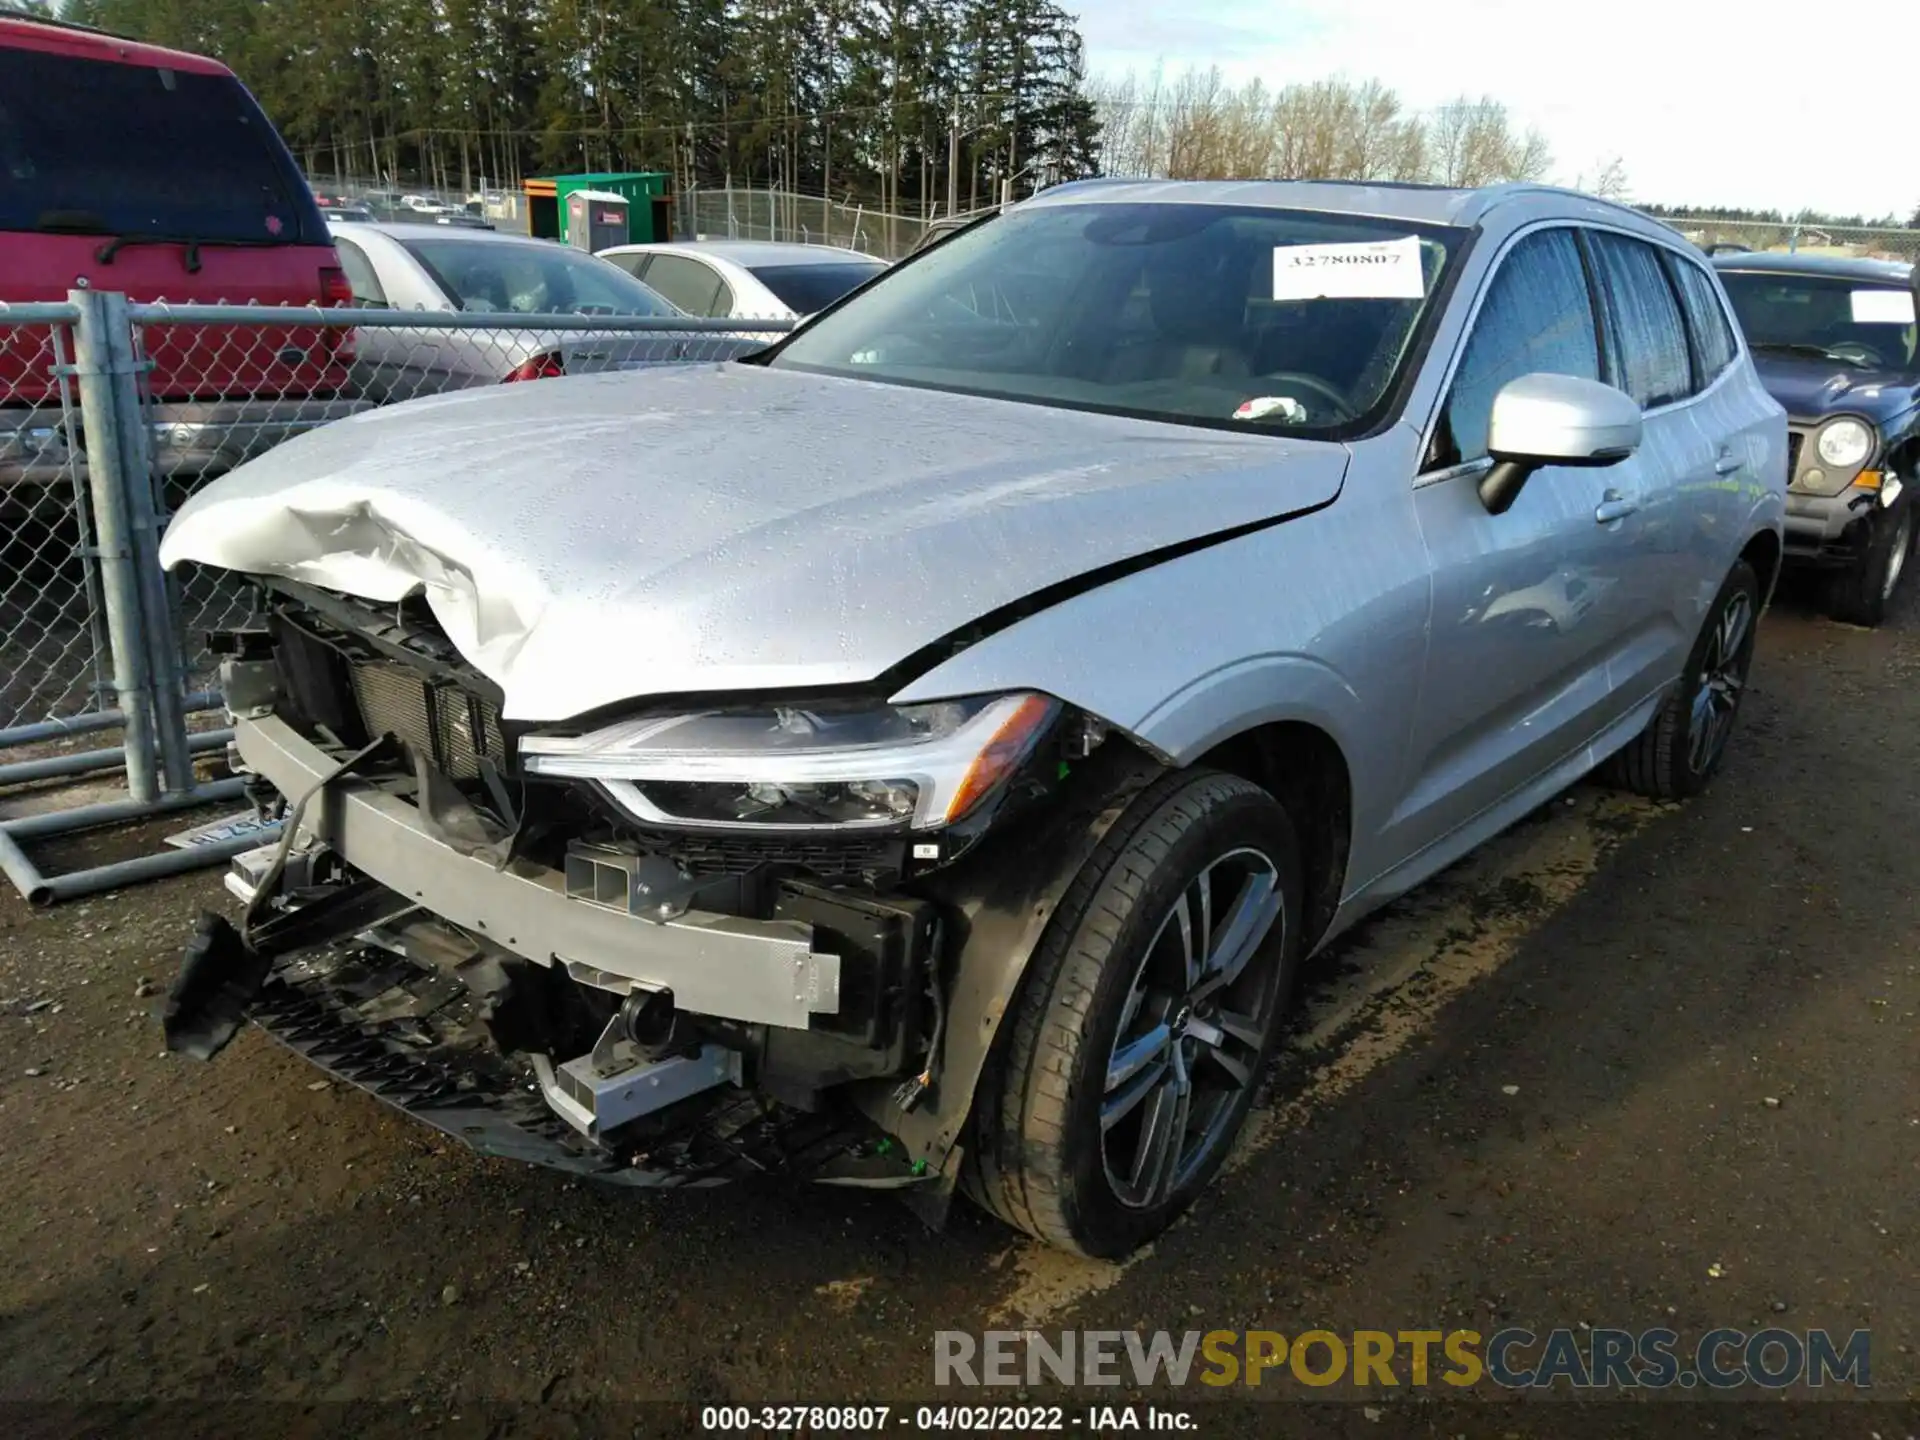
[
  {"x": 1303, "y": 767},
  {"x": 1002, "y": 910},
  {"x": 1764, "y": 553}
]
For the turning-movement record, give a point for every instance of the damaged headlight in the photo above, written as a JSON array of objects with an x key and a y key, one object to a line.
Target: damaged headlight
[{"x": 800, "y": 767}]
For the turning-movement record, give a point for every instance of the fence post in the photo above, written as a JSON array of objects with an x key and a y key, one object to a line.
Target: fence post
[
  {"x": 101, "y": 377},
  {"x": 164, "y": 667}
]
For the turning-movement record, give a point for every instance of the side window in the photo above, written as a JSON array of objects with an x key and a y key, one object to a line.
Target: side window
[
  {"x": 687, "y": 283},
  {"x": 367, "y": 293},
  {"x": 723, "y": 302},
  {"x": 1647, "y": 338},
  {"x": 1713, "y": 343},
  {"x": 1537, "y": 317},
  {"x": 633, "y": 264}
]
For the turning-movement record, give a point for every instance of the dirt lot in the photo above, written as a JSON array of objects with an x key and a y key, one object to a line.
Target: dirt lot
[{"x": 1631, "y": 1066}]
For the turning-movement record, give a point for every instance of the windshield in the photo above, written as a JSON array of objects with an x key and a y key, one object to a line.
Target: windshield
[
  {"x": 804, "y": 289},
  {"x": 1190, "y": 313},
  {"x": 112, "y": 149},
  {"x": 535, "y": 278},
  {"x": 1828, "y": 317}
]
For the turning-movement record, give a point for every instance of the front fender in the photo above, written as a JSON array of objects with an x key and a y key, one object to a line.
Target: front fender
[
  {"x": 999, "y": 902},
  {"x": 1321, "y": 621}
]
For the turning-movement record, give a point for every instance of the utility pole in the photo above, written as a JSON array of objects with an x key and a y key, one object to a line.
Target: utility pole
[{"x": 953, "y": 160}]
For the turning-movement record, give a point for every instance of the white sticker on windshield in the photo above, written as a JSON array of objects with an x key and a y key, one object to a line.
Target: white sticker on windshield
[
  {"x": 1883, "y": 307},
  {"x": 1372, "y": 270}
]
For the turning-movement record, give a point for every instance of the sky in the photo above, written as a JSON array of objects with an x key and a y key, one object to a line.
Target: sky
[{"x": 1704, "y": 103}]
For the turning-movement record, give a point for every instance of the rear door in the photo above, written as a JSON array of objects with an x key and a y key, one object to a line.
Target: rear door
[
  {"x": 131, "y": 169},
  {"x": 1685, "y": 455}
]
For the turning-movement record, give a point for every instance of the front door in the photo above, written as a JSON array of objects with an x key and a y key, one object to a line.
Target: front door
[{"x": 1527, "y": 605}]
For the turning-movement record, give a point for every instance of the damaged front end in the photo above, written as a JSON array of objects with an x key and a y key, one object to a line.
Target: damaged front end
[{"x": 670, "y": 949}]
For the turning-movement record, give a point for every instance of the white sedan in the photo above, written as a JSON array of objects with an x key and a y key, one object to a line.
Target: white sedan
[
  {"x": 453, "y": 271},
  {"x": 747, "y": 279}
]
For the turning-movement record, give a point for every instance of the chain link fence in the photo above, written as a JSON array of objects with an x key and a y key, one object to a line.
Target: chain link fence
[
  {"x": 1842, "y": 241},
  {"x": 737, "y": 214},
  {"x": 111, "y": 416},
  {"x": 51, "y": 654}
]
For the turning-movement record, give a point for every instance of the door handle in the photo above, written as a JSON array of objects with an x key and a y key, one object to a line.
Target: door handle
[
  {"x": 1614, "y": 507},
  {"x": 1727, "y": 463}
]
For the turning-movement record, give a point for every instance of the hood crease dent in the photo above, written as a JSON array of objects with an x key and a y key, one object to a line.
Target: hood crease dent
[{"x": 592, "y": 540}]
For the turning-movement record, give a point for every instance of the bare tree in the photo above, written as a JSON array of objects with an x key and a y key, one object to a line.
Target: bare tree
[
  {"x": 1472, "y": 143},
  {"x": 1612, "y": 184},
  {"x": 1199, "y": 127}
]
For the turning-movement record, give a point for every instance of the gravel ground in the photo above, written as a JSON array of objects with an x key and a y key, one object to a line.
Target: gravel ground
[{"x": 1632, "y": 1065}]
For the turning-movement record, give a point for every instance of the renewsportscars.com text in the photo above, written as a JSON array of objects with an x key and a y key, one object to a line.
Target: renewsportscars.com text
[{"x": 1515, "y": 1358}]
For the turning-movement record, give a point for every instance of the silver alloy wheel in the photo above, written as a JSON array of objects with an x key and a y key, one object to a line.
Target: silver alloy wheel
[
  {"x": 1897, "y": 557},
  {"x": 1192, "y": 1029},
  {"x": 1722, "y": 676}
]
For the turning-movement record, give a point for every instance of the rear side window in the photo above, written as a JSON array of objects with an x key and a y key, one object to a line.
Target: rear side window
[
  {"x": 1537, "y": 318},
  {"x": 687, "y": 283},
  {"x": 1648, "y": 337},
  {"x": 1713, "y": 342},
  {"x": 111, "y": 149}
]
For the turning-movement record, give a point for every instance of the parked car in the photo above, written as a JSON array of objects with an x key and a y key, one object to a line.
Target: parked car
[
  {"x": 751, "y": 279},
  {"x": 168, "y": 183},
  {"x": 1836, "y": 344},
  {"x": 430, "y": 267},
  {"x": 932, "y": 747},
  {"x": 345, "y": 212}
]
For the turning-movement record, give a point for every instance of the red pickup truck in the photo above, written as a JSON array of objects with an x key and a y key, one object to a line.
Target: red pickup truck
[{"x": 129, "y": 167}]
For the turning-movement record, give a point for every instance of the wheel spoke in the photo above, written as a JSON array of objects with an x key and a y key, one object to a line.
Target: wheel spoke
[
  {"x": 1162, "y": 1136},
  {"x": 1733, "y": 631},
  {"x": 1248, "y": 919},
  {"x": 1134, "y": 1056},
  {"x": 1121, "y": 1103},
  {"x": 1192, "y": 947},
  {"x": 1700, "y": 728}
]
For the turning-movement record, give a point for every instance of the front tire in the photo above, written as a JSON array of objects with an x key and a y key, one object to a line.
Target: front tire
[
  {"x": 1861, "y": 594},
  {"x": 1679, "y": 751},
  {"x": 1145, "y": 1020}
]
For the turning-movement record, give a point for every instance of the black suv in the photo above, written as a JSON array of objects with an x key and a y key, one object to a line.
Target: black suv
[{"x": 1836, "y": 343}]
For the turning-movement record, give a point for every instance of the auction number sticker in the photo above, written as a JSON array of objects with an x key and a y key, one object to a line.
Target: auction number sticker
[
  {"x": 849, "y": 1419},
  {"x": 1368, "y": 270}
]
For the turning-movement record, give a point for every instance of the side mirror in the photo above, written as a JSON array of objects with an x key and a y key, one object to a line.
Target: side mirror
[{"x": 1541, "y": 420}]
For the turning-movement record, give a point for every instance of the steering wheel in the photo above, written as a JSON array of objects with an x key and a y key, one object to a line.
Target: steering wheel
[
  {"x": 1863, "y": 355},
  {"x": 1343, "y": 408}
]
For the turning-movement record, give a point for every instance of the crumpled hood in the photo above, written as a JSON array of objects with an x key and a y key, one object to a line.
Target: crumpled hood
[{"x": 592, "y": 540}]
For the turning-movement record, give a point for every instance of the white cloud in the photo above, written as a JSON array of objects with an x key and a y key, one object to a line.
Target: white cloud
[{"x": 1705, "y": 103}]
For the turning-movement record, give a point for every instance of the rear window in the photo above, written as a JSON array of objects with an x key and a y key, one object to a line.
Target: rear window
[
  {"x": 112, "y": 149},
  {"x": 807, "y": 288}
]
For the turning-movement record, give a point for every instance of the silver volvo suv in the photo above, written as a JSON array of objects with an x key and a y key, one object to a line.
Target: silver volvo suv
[{"x": 921, "y": 754}]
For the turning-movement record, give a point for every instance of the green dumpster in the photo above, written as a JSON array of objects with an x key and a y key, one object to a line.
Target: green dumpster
[{"x": 649, "y": 205}]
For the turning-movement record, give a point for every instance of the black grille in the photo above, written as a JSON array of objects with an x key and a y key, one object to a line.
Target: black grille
[
  {"x": 1794, "y": 437},
  {"x": 830, "y": 860},
  {"x": 437, "y": 719}
]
